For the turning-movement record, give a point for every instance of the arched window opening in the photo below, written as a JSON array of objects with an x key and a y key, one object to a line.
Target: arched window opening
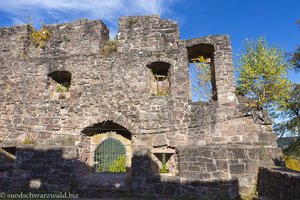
[
  {"x": 110, "y": 156},
  {"x": 159, "y": 78},
  {"x": 107, "y": 126},
  {"x": 202, "y": 72},
  {"x": 108, "y": 147}
]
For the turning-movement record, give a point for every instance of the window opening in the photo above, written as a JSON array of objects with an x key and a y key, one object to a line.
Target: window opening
[
  {"x": 159, "y": 78},
  {"x": 202, "y": 73},
  {"x": 110, "y": 156},
  {"x": 107, "y": 126},
  {"x": 167, "y": 164},
  {"x": 164, "y": 164},
  {"x": 61, "y": 84}
]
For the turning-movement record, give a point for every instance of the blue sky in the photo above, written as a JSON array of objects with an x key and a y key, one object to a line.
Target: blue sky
[{"x": 275, "y": 19}]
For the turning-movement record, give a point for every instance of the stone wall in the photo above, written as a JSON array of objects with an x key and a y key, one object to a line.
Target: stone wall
[
  {"x": 213, "y": 163},
  {"x": 66, "y": 39},
  {"x": 147, "y": 33},
  {"x": 113, "y": 88},
  {"x": 278, "y": 183},
  {"x": 53, "y": 169},
  {"x": 47, "y": 168}
]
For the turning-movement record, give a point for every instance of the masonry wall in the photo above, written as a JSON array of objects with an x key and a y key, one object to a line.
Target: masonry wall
[
  {"x": 115, "y": 87},
  {"x": 278, "y": 183}
]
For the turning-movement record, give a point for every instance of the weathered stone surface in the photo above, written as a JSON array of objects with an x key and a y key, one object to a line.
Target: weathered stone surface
[
  {"x": 279, "y": 183},
  {"x": 237, "y": 168},
  {"x": 110, "y": 92}
]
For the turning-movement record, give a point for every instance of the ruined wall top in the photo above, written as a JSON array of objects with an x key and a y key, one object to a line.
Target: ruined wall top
[
  {"x": 118, "y": 86},
  {"x": 78, "y": 37},
  {"x": 148, "y": 33},
  {"x": 84, "y": 37}
]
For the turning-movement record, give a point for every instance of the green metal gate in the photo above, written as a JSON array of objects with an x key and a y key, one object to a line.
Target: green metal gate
[{"x": 110, "y": 156}]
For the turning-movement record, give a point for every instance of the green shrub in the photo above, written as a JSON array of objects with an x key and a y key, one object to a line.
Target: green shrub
[
  {"x": 40, "y": 37},
  {"x": 292, "y": 156},
  {"x": 109, "y": 47},
  {"x": 29, "y": 140},
  {"x": 119, "y": 165},
  {"x": 292, "y": 163},
  {"x": 62, "y": 88}
]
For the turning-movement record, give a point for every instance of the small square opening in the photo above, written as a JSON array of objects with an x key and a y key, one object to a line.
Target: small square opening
[
  {"x": 60, "y": 84},
  {"x": 159, "y": 78}
]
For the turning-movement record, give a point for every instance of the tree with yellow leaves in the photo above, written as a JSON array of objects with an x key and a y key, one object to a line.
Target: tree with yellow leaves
[
  {"x": 203, "y": 90},
  {"x": 263, "y": 74}
]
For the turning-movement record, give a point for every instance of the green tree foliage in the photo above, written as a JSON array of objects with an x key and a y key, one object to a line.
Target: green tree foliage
[
  {"x": 203, "y": 90},
  {"x": 293, "y": 149},
  {"x": 263, "y": 74},
  {"x": 296, "y": 56},
  {"x": 290, "y": 112}
]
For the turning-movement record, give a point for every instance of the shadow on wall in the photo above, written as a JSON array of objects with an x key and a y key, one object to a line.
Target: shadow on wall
[
  {"x": 278, "y": 183},
  {"x": 54, "y": 171}
]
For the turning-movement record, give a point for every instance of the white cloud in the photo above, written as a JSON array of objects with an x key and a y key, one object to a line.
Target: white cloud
[
  {"x": 57, "y": 11},
  {"x": 60, "y": 11}
]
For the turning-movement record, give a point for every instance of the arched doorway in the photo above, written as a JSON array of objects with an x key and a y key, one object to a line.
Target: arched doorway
[
  {"x": 105, "y": 143},
  {"x": 110, "y": 156}
]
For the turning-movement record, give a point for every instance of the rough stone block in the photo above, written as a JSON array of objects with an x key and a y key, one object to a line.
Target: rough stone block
[
  {"x": 211, "y": 167},
  {"x": 222, "y": 164},
  {"x": 219, "y": 154},
  {"x": 202, "y": 176},
  {"x": 194, "y": 168},
  {"x": 220, "y": 175},
  {"x": 237, "y": 153},
  {"x": 252, "y": 167},
  {"x": 237, "y": 168},
  {"x": 204, "y": 160},
  {"x": 159, "y": 140}
]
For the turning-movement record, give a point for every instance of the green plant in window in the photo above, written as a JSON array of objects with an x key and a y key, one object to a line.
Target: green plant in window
[
  {"x": 62, "y": 88},
  {"x": 164, "y": 168},
  {"x": 163, "y": 92},
  {"x": 100, "y": 168},
  {"x": 119, "y": 165}
]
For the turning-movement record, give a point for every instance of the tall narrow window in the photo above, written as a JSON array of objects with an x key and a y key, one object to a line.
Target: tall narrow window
[
  {"x": 202, "y": 73},
  {"x": 110, "y": 156},
  {"x": 159, "y": 78}
]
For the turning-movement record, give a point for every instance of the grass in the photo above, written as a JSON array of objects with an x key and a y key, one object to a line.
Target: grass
[{"x": 29, "y": 139}]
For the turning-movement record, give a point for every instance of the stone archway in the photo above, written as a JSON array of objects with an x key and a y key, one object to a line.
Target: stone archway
[
  {"x": 95, "y": 134},
  {"x": 98, "y": 139}
]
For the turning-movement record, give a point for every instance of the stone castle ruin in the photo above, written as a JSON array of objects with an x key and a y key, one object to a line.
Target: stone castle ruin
[{"x": 99, "y": 118}]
